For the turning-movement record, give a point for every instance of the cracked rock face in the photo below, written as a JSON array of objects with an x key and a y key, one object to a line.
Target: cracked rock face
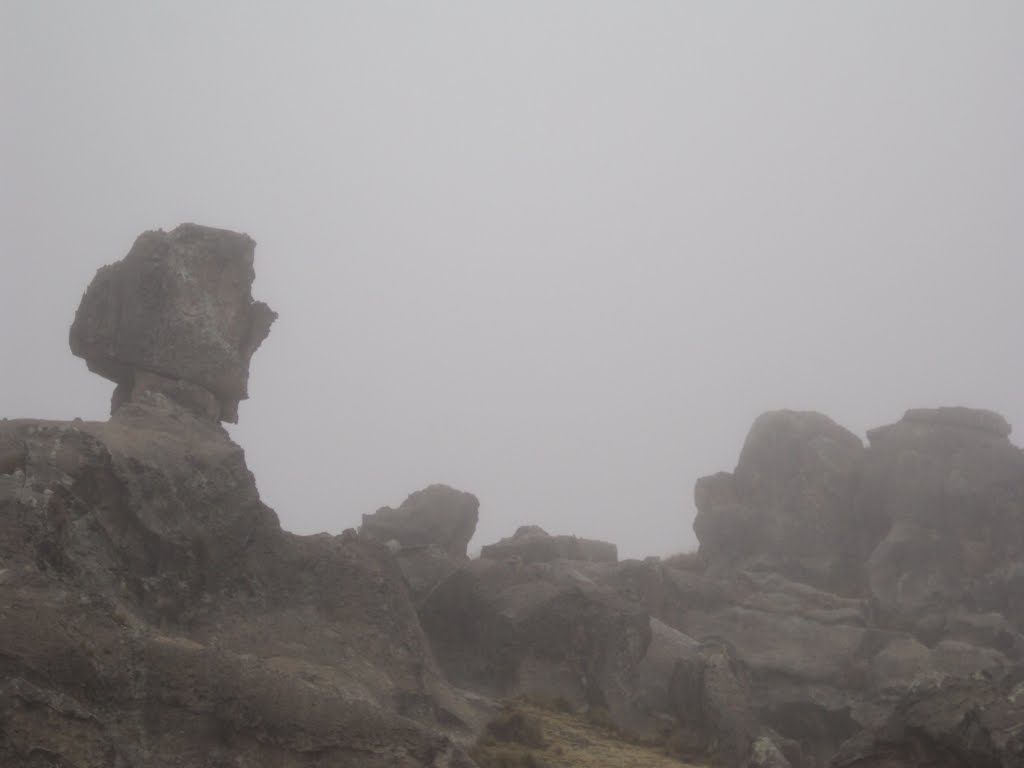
[{"x": 176, "y": 316}]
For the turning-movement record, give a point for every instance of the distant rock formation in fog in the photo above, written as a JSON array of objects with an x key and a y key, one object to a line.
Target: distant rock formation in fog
[
  {"x": 850, "y": 606},
  {"x": 532, "y": 544},
  {"x": 866, "y": 588}
]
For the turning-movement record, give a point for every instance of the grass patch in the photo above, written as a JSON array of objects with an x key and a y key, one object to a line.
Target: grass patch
[
  {"x": 530, "y": 735},
  {"x": 516, "y": 727}
]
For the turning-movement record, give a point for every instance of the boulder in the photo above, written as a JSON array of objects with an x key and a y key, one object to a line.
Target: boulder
[
  {"x": 789, "y": 506},
  {"x": 945, "y": 491},
  {"x": 710, "y": 694},
  {"x": 424, "y": 568},
  {"x": 142, "y": 573},
  {"x": 959, "y": 723},
  {"x": 532, "y": 544},
  {"x": 849, "y": 578},
  {"x": 436, "y": 517},
  {"x": 544, "y": 630},
  {"x": 176, "y": 315},
  {"x": 153, "y": 611}
]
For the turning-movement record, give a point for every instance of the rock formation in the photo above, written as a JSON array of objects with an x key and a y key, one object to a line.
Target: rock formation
[
  {"x": 176, "y": 315},
  {"x": 153, "y": 611},
  {"x": 532, "y": 544},
  {"x": 977, "y": 722},
  {"x": 787, "y": 506},
  {"x": 943, "y": 490},
  {"x": 851, "y": 606},
  {"x": 850, "y": 580},
  {"x": 546, "y": 631},
  {"x": 438, "y": 517}
]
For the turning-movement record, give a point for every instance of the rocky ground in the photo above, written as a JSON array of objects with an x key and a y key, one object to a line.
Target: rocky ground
[{"x": 851, "y": 605}]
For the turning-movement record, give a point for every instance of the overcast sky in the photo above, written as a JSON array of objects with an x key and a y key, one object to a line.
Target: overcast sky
[{"x": 559, "y": 254}]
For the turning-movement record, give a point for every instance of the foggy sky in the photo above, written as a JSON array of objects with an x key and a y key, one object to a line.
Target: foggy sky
[{"x": 558, "y": 254}]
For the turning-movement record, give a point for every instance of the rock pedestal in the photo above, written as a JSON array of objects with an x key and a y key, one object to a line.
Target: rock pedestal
[{"x": 176, "y": 316}]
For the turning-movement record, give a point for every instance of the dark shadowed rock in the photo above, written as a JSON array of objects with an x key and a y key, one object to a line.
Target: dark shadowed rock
[
  {"x": 12, "y": 454},
  {"x": 542, "y": 630},
  {"x": 425, "y": 567},
  {"x": 156, "y": 614},
  {"x": 437, "y": 516},
  {"x": 176, "y": 315},
  {"x": 532, "y": 544},
  {"x": 710, "y": 694},
  {"x": 961, "y": 723}
]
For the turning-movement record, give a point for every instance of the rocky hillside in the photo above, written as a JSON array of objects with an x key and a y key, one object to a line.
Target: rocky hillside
[{"x": 851, "y": 605}]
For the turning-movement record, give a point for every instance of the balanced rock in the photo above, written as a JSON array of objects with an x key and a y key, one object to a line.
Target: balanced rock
[
  {"x": 437, "y": 517},
  {"x": 545, "y": 631},
  {"x": 176, "y": 316}
]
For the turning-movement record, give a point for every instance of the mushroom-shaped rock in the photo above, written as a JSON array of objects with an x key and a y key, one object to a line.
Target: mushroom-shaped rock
[
  {"x": 176, "y": 316},
  {"x": 437, "y": 516}
]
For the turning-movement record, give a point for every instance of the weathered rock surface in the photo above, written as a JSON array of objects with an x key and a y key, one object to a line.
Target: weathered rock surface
[
  {"x": 852, "y": 606},
  {"x": 155, "y": 614},
  {"x": 963, "y": 723},
  {"x": 176, "y": 315},
  {"x": 847, "y": 579},
  {"x": 543, "y": 630},
  {"x": 438, "y": 516},
  {"x": 532, "y": 544},
  {"x": 944, "y": 489},
  {"x": 152, "y": 611},
  {"x": 788, "y": 505}
]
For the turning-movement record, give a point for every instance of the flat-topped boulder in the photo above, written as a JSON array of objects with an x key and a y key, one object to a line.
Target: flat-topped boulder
[
  {"x": 176, "y": 316},
  {"x": 960, "y": 418},
  {"x": 532, "y": 544}
]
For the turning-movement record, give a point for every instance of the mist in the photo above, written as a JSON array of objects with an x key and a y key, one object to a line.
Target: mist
[{"x": 557, "y": 255}]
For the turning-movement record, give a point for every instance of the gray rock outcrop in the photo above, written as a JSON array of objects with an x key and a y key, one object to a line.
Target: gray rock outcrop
[
  {"x": 854, "y": 606},
  {"x": 849, "y": 579},
  {"x": 154, "y": 613},
  {"x": 788, "y": 505},
  {"x": 546, "y": 631},
  {"x": 962, "y": 723},
  {"x": 176, "y": 315},
  {"x": 943, "y": 489},
  {"x": 532, "y": 544},
  {"x": 436, "y": 517}
]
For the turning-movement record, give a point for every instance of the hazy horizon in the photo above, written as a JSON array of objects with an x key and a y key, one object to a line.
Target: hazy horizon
[{"x": 557, "y": 255}]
